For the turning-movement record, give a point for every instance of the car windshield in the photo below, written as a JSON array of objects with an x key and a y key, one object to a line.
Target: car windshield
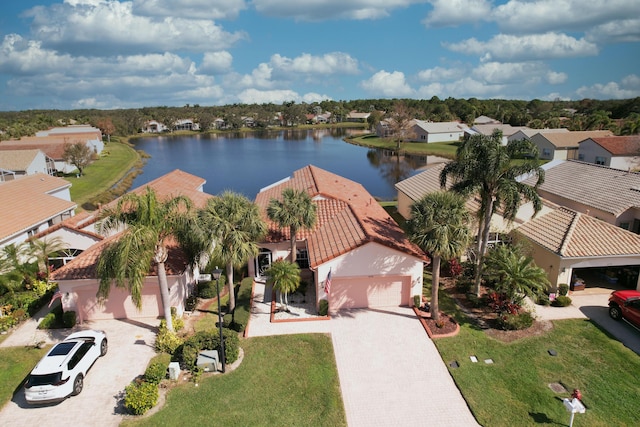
[
  {"x": 47, "y": 379},
  {"x": 62, "y": 349}
]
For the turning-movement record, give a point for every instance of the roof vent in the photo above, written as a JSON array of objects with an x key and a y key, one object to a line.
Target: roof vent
[{"x": 635, "y": 189}]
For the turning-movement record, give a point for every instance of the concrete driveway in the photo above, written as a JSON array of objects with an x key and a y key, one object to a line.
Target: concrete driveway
[
  {"x": 391, "y": 373},
  {"x": 130, "y": 349}
]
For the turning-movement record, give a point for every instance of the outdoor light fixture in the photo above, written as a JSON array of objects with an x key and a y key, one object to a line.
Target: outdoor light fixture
[{"x": 216, "y": 273}]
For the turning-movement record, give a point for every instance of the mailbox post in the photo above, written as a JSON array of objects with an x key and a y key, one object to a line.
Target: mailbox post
[{"x": 574, "y": 406}]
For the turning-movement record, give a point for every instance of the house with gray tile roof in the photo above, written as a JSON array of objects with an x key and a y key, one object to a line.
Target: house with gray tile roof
[{"x": 612, "y": 195}]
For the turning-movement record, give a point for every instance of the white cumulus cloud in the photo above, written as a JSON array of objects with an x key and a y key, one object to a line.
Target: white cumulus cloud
[
  {"x": 197, "y": 9},
  {"x": 216, "y": 62},
  {"x": 387, "y": 84},
  {"x": 329, "y": 63},
  {"x": 529, "y": 47},
  {"x": 319, "y": 10},
  {"x": 629, "y": 87},
  {"x": 455, "y": 12}
]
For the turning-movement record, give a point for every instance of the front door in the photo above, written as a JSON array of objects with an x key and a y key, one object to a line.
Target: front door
[{"x": 263, "y": 262}]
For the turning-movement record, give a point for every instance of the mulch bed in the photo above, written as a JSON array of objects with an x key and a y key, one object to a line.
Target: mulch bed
[{"x": 484, "y": 317}]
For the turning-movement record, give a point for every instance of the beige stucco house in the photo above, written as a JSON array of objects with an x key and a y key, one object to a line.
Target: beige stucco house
[
  {"x": 619, "y": 152},
  {"x": 371, "y": 261},
  {"x": 562, "y": 145},
  {"x": 424, "y": 131}
]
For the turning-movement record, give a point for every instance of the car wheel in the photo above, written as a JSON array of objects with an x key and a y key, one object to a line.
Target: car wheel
[
  {"x": 615, "y": 312},
  {"x": 78, "y": 383},
  {"x": 103, "y": 347}
]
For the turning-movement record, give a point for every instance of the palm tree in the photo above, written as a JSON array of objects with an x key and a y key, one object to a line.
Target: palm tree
[
  {"x": 438, "y": 225},
  {"x": 516, "y": 274},
  {"x": 234, "y": 225},
  {"x": 42, "y": 249},
  {"x": 150, "y": 226},
  {"x": 284, "y": 276},
  {"x": 296, "y": 210},
  {"x": 485, "y": 167}
]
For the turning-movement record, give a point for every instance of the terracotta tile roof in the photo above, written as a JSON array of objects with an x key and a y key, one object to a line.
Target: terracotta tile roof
[
  {"x": 26, "y": 202},
  {"x": 17, "y": 160},
  {"x": 178, "y": 183},
  {"x": 348, "y": 216},
  {"x": 620, "y": 145},
  {"x": 572, "y": 139},
  {"x": 75, "y": 223},
  {"x": 53, "y": 150},
  {"x": 84, "y": 266},
  {"x": 606, "y": 189},
  {"x": 572, "y": 235}
]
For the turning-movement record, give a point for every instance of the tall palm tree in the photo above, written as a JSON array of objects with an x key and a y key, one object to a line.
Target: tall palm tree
[
  {"x": 439, "y": 225},
  {"x": 233, "y": 224},
  {"x": 485, "y": 167},
  {"x": 296, "y": 210},
  {"x": 42, "y": 249},
  {"x": 150, "y": 226},
  {"x": 516, "y": 274},
  {"x": 284, "y": 276}
]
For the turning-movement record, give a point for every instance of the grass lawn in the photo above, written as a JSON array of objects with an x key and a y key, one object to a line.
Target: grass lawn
[
  {"x": 15, "y": 365},
  {"x": 514, "y": 390},
  {"x": 283, "y": 380},
  {"x": 442, "y": 149},
  {"x": 243, "y": 306},
  {"x": 102, "y": 174}
]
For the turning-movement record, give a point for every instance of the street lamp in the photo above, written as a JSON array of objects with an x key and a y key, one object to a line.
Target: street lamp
[{"x": 217, "y": 272}]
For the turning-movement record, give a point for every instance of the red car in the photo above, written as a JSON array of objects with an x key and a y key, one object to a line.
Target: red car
[{"x": 625, "y": 305}]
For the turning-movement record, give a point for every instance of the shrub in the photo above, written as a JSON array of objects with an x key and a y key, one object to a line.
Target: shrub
[
  {"x": 191, "y": 303},
  {"x": 464, "y": 285},
  {"x": 561, "y": 301},
  {"x": 140, "y": 397},
  {"x": 210, "y": 340},
  {"x": 7, "y": 322},
  {"x": 178, "y": 323},
  {"x": 207, "y": 292},
  {"x": 453, "y": 268},
  {"x": 323, "y": 308},
  {"x": 49, "y": 321},
  {"x": 155, "y": 373},
  {"x": 167, "y": 341},
  {"x": 563, "y": 289},
  {"x": 513, "y": 322},
  {"x": 543, "y": 299},
  {"x": 417, "y": 301},
  {"x": 69, "y": 319},
  {"x": 474, "y": 299}
]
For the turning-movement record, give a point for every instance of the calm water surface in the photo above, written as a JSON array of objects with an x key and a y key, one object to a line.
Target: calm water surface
[{"x": 246, "y": 162}]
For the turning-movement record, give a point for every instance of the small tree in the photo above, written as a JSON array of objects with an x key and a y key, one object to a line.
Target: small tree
[
  {"x": 42, "y": 249},
  {"x": 78, "y": 154},
  {"x": 284, "y": 276},
  {"x": 107, "y": 127}
]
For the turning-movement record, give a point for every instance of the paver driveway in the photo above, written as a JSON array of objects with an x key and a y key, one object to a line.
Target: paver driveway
[
  {"x": 130, "y": 349},
  {"x": 391, "y": 373}
]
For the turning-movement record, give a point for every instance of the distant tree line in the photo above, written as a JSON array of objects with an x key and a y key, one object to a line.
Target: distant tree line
[{"x": 620, "y": 116}]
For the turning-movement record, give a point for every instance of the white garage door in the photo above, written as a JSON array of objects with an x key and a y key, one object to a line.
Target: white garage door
[{"x": 369, "y": 292}]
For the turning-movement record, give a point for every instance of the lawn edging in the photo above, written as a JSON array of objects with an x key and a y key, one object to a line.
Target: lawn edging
[{"x": 428, "y": 330}]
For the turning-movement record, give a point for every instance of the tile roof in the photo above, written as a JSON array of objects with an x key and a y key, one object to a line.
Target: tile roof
[
  {"x": 571, "y": 139},
  {"x": 348, "y": 216},
  {"x": 17, "y": 160},
  {"x": 609, "y": 190},
  {"x": 177, "y": 183},
  {"x": 27, "y": 201},
  {"x": 53, "y": 150},
  {"x": 85, "y": 265},
  {"x": 620, "y": 145},
  {"x": 441, "y": 127},
  {"x": 530, "y": 132},
  {"x": 572, "y": 235},
  {"x": 506, "y": 129},
  {"x": 427, "y": 182}
]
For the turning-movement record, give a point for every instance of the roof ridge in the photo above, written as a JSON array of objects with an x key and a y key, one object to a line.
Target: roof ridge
[{"x": 567, "y": 236}]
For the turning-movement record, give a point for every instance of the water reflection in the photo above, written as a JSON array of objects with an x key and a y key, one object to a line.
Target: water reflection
[{"x": 248, "y": 161}]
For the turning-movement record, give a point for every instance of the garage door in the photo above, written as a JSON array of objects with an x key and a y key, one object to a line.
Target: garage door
[
  {"x": 371, "y": 292},
  {"x": 119, "y": 305}
]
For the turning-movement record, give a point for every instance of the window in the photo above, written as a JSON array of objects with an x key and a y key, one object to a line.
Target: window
[
  {"x": 302, "y": 258},
  {"x": 624, "y": 225},
  {"x": 601, "y": 160},
  {"x": 546, "y": 152},
  {"x": 580, "y": 156}
]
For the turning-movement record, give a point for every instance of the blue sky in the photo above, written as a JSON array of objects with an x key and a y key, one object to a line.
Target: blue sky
[{"x": 65, "y": 54}]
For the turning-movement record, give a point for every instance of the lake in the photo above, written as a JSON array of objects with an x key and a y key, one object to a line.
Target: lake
[{"x": 245, "y": 162}]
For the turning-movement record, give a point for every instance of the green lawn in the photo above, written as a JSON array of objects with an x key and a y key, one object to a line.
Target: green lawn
[
  {"x": 117, "y": 159},
  {"x": 15, "y": 365},
  {"x": 442, "y": 149},
  {"x": 514, "y": 390},
  {"x": 243, "y": 307},
  {"x": 283, "y": 380}
]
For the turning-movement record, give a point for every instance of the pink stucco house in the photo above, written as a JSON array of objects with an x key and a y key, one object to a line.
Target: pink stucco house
[
  {"x": 78, "y": 283},
  {"x": 372, "y": 262}
]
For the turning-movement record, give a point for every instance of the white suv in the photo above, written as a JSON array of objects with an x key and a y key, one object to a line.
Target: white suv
[{"x": 60, "y": 373}]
